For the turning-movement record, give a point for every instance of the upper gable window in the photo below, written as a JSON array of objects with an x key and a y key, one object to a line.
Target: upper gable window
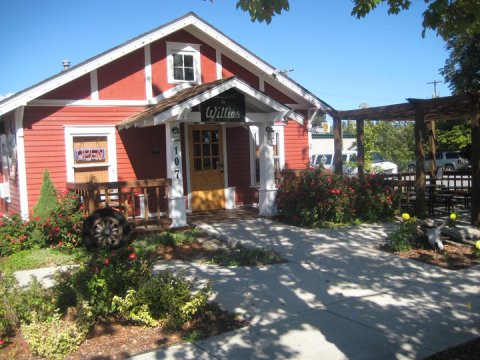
[{"x": 183, "y": 62}]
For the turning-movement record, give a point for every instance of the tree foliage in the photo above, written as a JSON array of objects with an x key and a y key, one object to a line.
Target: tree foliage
[
  {"x": 448, "y": 18},
  {"x": 263, "y": 10},
  {"x": 462, "y": 68},
  {"x": 393, "y": 140}
]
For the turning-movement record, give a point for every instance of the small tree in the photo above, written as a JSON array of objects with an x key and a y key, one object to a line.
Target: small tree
[{"x": 48, "y": 201}]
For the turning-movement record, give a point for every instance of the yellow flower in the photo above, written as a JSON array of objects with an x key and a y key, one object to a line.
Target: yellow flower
[
  {"x": 453, "y": 216},
  {"x": 405, "y": 216},
  {"x": 477, "y": 244}
]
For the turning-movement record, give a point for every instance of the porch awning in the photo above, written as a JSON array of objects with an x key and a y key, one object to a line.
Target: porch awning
[{"x": 178, "y": 105}]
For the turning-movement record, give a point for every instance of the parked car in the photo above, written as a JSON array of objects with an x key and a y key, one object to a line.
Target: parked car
[
  {"x": 379, "y": 165},
  {"x": 448, "y": 160}
]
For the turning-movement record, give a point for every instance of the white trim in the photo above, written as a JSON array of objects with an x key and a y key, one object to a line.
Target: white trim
[
  {"x": 185, "y": 49},
  {"x": 188, "y": 20},
  {"x": 218, "y": 63},
  {"x": 148, "y": 72},
  {"x": 186, "y": 139},
  {"x": 21, "y": 162},
  {"x": 87, "y": 130},
  {"x": 261, "y": 85},
  {"x": 94, "y": 85},
  {"x": 253, "y": 135},
  {"x": 71, "y": 102},
  {"x": 233, "y": 83}
]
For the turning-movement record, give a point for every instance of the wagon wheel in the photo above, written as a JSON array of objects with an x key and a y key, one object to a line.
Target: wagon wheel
[{"x": 105, "y": 228}]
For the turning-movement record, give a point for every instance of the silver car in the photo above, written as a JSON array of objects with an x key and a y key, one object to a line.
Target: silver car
[{"x": 448, "y": 160}]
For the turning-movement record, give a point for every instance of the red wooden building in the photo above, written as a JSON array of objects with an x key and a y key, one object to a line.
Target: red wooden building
[{"x": 183, "y": 102}]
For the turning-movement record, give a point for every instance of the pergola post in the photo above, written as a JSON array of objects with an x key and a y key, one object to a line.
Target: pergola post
[
  {"x": 420, "y": 161},
  {"x": 433, "y": 149},
  {"x": 338, "y": 145},
  {"x": 475, "y": 161},
  {"x": 361, "y": 148}
]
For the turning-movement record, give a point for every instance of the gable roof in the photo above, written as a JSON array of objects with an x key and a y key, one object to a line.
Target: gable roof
[
  {"x": 192, "y": 96},
  {"x": 185, "y": 22}
]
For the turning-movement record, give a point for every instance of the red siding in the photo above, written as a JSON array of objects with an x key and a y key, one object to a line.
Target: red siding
[
  {"x": 78, "y": 89},
  {"x": 238, "y": 158},
  {"x": 158, "y": 52},
  {"x": 231, "y": 68},
  {"x": 45, "y": 142},
  {"x": 124, "y": 78},
  {"x": 136, "y": 148},
  {"x": 277, "y": 95},
  {"x": 296, "y": 145}
]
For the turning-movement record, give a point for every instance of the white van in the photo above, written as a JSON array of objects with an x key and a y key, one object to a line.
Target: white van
[{"x": 379, "y": 165}]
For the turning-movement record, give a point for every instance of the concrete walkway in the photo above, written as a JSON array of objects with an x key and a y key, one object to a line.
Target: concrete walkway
[{"x": 337, "y": 297}]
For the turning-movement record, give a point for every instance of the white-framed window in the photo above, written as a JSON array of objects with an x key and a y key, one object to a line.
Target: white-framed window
[
  {"x": 91, "y": 153},
  {"x": 278, "y": 152},
  {"x": 183, "y": 63}
]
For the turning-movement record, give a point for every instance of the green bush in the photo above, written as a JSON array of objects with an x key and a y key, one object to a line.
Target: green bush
[
  {"x": 15, "y": 235},
  {"x": 402, "y": 237},
  {"x": 53, "y": 338},
  {"x": 170, "y": 297},
  {"x": 47, "y": 201},
  {"x": 107, "y": 274},
  {"x": 317, "y": 199}
]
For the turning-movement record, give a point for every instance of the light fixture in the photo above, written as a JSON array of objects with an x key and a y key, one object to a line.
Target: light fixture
[
  {"x": 175, "y": 130},
  {"x": 270, "y": 133}
]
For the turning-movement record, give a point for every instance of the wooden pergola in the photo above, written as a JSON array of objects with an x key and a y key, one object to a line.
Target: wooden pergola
[{"x": 422, "y": 112}]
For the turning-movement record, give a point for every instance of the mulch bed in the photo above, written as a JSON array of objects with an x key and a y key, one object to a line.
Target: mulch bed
[{"x": 117, "y": 340}]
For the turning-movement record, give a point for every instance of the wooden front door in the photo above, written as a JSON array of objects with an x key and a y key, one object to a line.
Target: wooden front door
[{"x": 206, "y": 167}]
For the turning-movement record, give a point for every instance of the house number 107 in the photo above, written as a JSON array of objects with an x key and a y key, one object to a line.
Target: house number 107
[{"x": 176, "y": 160}]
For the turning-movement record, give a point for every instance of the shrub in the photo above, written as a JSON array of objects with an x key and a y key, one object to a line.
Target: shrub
[
  {"x": 401, "y": 238},
  {"x": 47, "y": 201},
  {"x": 107, "y": 274},
  {"x": 15, "y": 235},
  {"x": 316, "y": 199},
  {"x": 53, "y": 338},
  {"x": 169, "y": 298}
]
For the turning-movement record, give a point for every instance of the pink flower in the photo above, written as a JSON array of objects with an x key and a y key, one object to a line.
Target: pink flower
[
  {"x": 132, "y": 256},
  {"x": 107, "y": 261},
  {"x": 60, "y": 243}
]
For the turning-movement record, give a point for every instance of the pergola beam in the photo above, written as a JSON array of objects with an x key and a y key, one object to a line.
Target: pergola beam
[{"x": 424, "y": 111}]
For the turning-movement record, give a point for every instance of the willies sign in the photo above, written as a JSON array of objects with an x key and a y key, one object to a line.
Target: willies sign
[{"x": 228, "y": 106}]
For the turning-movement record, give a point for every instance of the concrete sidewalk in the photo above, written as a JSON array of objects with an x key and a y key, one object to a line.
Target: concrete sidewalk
[{"x": 337, "y": 297}]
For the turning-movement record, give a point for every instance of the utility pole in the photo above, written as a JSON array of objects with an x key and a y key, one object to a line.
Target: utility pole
[{"x": 435, "y": 82}]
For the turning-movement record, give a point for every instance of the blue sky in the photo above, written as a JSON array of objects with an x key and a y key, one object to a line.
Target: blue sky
[{"x": 378, "y": 60}]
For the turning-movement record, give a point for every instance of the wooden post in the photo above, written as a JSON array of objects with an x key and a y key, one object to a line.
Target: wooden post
[
  {"x": 433, "y": 150},
  {"x": 361, "y": 148},
  {"x": 475, "y": 162},
  {"x": 338, "y": 145},
  {"x": 420, "y": 161}
]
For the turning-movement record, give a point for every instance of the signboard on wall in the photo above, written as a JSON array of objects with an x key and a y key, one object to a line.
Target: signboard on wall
[{"x": 228, "y": 106}]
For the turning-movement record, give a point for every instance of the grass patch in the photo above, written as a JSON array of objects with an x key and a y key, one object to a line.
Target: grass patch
[
  {"x": 241, "y": 256},
  {"x": 38, "y": 258}
]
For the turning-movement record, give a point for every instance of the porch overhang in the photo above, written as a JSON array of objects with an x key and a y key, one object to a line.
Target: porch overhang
[{"x": 260, "y": 108}]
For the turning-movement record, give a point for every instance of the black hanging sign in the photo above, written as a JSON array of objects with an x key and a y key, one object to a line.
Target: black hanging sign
[{"x": 228, "y": 106}]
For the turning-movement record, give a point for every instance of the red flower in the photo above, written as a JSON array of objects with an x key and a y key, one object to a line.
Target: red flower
[
  {"x": 60, "y": 243},
  {"x": 132, "y": 256},
  {"x": 2, "y": 342},
  {"x": 37, "y": 218},
  {"x": 107, "y": 261},
  {"x": 1, "y": 223}
]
